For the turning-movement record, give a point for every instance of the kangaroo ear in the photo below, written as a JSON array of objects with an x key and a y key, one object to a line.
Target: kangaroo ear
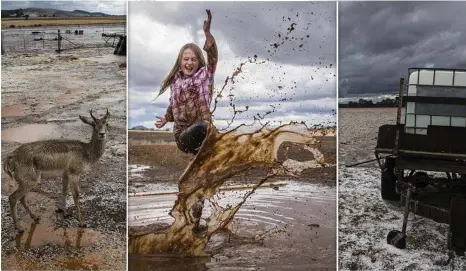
[
  {"x": 87, "y": 120},
  {"x": 106, "y": 115}
]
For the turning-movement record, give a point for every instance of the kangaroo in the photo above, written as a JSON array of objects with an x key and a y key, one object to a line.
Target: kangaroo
[{"x": 68, "y": 158}]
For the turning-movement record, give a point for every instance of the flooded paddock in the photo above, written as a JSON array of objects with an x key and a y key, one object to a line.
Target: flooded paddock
[
  {"x": 45, "y": 39},
  {"x": 43, "y": 94}
]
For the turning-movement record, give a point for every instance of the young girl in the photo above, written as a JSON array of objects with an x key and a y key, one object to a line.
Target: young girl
[{"x": 191, "y": 81}]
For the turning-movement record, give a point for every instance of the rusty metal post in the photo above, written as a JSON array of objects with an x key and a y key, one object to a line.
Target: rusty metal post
[
  {"x": 59, "y": 41},
  {"x": 398, "y": 117},
  {"x": 400, "y": 101},
  {"x": 3, "y": 41}
]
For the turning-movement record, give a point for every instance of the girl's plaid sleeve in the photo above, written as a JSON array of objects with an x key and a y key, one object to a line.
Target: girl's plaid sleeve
[
  {"x": 169, "y": 114},
  {"x": 205, "y": 95},
  {"x": 210, "y": 47}
]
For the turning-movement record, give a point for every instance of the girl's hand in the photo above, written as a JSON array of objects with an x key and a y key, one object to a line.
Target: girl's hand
[
  {"x": 207, "y": 23},
  {"x": 209, "y": 40},
  {"x": 161, "y": 122}
]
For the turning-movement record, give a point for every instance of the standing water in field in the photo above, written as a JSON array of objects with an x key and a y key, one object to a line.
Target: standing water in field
[{"x": 222, "y": 156}]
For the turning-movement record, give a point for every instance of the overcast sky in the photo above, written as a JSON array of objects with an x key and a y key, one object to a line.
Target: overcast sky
[
  {"x": 117, "y": 7},
  {"x": 301, "y": 69},
  {"x": 379, "y": 41}
]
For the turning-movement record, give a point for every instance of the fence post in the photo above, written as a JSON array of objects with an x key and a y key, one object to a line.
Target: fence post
[
  {"x": 59, "y": 41},
  {"x": 3, "y": 40},
  {"x": 24, "y": 40}
]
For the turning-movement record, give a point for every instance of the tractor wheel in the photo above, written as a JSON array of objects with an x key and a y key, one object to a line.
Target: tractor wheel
[{"x": 388, "y": 181}]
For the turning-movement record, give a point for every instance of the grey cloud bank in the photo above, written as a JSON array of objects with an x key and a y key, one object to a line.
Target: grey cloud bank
[
  {"x": 379, "y": 41},
  {"x": 296, "y": 40}
]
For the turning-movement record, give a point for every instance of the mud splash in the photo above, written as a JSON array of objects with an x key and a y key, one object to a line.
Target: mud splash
[
  {"x": 222, "y": 156},
  {"x": 280, "y": 223}
]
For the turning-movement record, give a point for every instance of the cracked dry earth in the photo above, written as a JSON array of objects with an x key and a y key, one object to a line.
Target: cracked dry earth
[
  {"x": 365, "y": 219},
  {"x": 42, "y": 96}
]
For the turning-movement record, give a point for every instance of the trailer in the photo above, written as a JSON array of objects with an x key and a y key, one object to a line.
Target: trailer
[{"x": 423, "y": 160}]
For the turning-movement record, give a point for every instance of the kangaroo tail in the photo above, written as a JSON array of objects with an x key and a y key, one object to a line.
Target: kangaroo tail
[{"x": 9, "y": 165}]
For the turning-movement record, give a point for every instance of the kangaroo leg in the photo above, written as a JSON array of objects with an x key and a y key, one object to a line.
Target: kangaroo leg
[
  {"x": 13, "y": 204},
  {"x": 75, "y": 191},
  {"x": 26, "y": 180},
  {"x": 62, "y": 207},
  {"x": 33, "y": 216}
]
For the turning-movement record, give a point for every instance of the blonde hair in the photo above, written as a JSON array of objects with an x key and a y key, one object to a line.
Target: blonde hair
[{"x": 168, "y": 80}]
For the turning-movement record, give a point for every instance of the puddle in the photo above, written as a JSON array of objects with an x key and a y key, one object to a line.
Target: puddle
[
  {"x": 31, "y": 132},
  {"x": 68, "y": 98},
  {"x": 106, "y": 59},
  {"x": 45, "y": 239},
  {"x": 292, "y": 226},
  {"x": 13, "y": 111},
  {"x": 41, "y": 234},
  {"x": 137, "y": 170}
]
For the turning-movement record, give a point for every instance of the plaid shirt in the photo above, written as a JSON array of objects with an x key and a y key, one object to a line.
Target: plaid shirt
[{"x": 190, "y": 96}]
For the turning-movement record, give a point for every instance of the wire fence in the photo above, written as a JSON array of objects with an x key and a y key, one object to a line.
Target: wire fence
[{"x": 49, "y": 39}]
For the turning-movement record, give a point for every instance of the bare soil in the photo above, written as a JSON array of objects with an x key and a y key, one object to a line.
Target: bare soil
[{"x": 42, "y": 96}]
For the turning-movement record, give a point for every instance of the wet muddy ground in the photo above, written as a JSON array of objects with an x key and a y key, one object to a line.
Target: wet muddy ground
[
  {"x": 365, "y": 219},
  {"x": 287, "y": 224},
  {"x": 42, "y": 96}
]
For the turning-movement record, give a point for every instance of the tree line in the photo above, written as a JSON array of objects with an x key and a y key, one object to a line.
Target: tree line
[{"x": 363, "y": 103}]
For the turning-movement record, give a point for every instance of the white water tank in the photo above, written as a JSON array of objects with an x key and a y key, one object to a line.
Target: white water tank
[{"x": 435, "y": 97}]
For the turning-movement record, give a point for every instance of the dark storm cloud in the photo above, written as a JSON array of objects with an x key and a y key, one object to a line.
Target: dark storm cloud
[
  {"x": 251, "y": 28},
  {"x": 379, "y": 41}
]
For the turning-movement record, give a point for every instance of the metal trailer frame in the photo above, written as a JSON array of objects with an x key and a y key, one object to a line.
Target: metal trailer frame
[{"x": 407, "y": 156}]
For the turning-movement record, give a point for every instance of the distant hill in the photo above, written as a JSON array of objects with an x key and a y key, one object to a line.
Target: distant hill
[
  {"x": 48, "y": 12},
  {"x": 140, "y": 127},
  {"x": 144, "y": 128}
]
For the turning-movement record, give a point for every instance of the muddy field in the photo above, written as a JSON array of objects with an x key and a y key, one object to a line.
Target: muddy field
[
  {"x": 288, "y": 223},
  {"x": 365, "y": 219},
  {"x": 166, "y": 162},
  {"x": 42, "y": 96}
]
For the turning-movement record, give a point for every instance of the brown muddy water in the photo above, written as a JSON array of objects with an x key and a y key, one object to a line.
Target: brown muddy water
[{"x": 290, "y": 225}]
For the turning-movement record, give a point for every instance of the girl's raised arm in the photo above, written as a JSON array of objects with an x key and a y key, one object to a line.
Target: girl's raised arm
[{"x": 210, "y": 46}]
